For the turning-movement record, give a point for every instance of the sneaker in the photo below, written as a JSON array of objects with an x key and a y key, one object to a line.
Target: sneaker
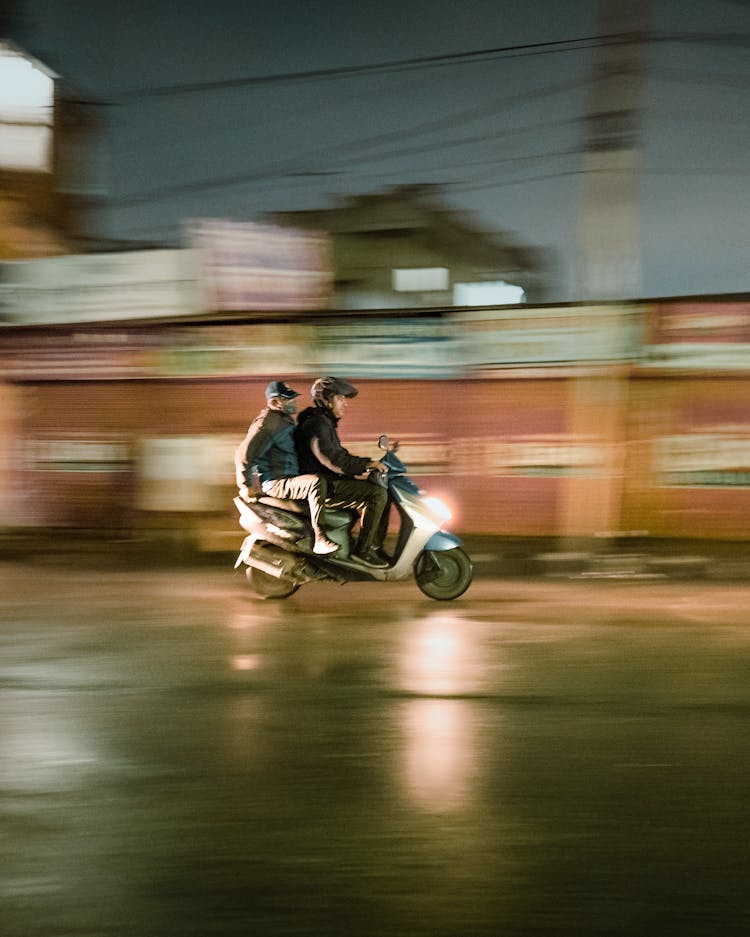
[
  {"x": 372, "y": 558},
  {"x": 324, "y": 546}
]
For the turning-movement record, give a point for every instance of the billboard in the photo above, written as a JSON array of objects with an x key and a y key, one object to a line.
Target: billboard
[
  {"x": 498, "y": 339},
  {"x": 246, "y": 266},
  {"x": 714, "y": 335},
  {"x": 85, "y": 288}
]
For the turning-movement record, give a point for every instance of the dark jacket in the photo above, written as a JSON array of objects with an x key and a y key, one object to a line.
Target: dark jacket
[
  {"x": 319, "y": 449},
  {"x": 268, "y": 445}
]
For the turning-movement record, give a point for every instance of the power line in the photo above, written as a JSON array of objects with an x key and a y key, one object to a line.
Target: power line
[
  {"x": 576, "y": 44},
  {"x": 494, "y": 107},
  {"x": 460, "y": 187},
  {"x": 456, "y": 58}
]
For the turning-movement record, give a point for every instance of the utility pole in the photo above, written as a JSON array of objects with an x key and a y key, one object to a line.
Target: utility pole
[
  {"x": 607, "y": 269},
  {"x": 608, "y": 264}
]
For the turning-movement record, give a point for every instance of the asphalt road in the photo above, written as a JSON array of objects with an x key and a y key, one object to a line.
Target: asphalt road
[{"x": 536, "y": 758}]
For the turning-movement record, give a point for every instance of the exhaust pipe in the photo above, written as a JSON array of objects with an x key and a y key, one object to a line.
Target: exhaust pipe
[{"x": 269, "y": 559}]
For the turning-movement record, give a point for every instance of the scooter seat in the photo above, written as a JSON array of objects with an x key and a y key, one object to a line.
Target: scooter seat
[{"x": 334, "y": 517}]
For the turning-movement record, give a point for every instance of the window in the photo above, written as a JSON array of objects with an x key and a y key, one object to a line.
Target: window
[
  {"x": 421, "y": 279},
  {"x": 26, "y": 96}
]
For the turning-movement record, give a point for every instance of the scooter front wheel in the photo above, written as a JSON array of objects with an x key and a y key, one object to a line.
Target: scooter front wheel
[
  {"x": 270, "y": 587},
  {"x": 443, "y": 574}
]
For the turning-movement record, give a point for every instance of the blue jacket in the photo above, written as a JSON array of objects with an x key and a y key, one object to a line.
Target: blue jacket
[{"x": 269, "y": 447}]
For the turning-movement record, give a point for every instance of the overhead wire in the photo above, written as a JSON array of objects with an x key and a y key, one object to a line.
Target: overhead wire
[
  {"x": 550, "y": 47},
  {"x": 456, "y": 58},
  {"x": 369, "y": 143},
  {"x": 350, "y": 152}
]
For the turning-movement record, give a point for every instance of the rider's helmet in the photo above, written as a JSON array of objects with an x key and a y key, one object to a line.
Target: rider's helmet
[{"x": 326, "y": 388}]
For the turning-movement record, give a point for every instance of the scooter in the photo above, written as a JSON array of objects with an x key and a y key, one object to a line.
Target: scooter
[{"x": 279, "y": 558}]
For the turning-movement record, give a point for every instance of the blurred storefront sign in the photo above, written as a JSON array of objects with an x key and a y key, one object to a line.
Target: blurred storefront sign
[
  {"x": 502, "y": 338},
  {"x": 87, "y": 288},
  {"x": 388, "y": 347},
  {"x": 718, "y": 459},
  {"x": 138, "y": 353},
  {"x": 247, "y": 266},
  {"x": 534, "y": 456},
  {"x": 359, "y": 348},
  {"x": 79, "y": 455},
  {"x": 79, "y": 355},
  {"x": 713, "y": 335},
  {"x": 232, "y": 351}
]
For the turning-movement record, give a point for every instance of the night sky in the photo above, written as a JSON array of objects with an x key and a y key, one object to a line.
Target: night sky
[{"x": 502, "y": 134}]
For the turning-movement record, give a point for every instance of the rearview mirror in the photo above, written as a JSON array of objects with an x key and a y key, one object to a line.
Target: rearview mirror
[{"x": 385, "y": 443}]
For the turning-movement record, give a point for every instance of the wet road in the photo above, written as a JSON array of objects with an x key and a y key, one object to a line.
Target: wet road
[{"x": 179, "y": 758}]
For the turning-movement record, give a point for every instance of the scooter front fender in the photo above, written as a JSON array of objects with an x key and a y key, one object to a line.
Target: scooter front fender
[{"x": 442, "y": 540}]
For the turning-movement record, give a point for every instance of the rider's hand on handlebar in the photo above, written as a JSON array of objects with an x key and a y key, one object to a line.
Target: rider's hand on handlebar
[{"x": 376, "y": 467}]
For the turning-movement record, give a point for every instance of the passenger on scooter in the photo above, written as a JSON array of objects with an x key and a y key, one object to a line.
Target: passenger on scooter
[
  {"x": 319, "y": 451},
  {"x": 268, "y": 448}
]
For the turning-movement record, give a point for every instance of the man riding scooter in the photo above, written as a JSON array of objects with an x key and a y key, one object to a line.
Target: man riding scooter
[{"x": 320, "y": 452}]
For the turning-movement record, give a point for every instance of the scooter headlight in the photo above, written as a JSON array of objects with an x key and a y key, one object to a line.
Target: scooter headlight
[{"x": 438, "y": 508}]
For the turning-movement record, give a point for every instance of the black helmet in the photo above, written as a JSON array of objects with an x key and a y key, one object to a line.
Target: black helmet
[{"x": 325, "y": 388}]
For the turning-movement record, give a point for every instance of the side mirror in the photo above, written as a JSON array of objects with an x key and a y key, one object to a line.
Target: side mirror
[{"x": 385, "y": 443}]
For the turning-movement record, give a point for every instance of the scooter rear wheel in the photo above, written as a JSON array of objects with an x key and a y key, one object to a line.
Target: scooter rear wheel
[
  {"x": 444, "y": 574},
  {"x": 269, "y": 587}
]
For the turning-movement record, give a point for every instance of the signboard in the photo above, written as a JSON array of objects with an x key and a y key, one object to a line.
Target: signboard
[
  {"x": 716, "y": 459},
  {"x": 169, "y": 352},
  {"x": 232, "y": 351},
  {"x": 388, "y": 347},
  {"x": 247, "y": 266},
  {"x": 85, "y": 288},
  {"x": 522, "y": 337},
  {"x": 711, "y": 335}
]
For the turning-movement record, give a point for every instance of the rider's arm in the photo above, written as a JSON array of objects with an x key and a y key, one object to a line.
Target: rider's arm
[
  {"x": 258, "y": 439},
  {"x": 327, "y": 449}
]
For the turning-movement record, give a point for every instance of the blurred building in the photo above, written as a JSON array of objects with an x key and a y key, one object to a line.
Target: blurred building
[
  {"x": 50, "y": 159},
  {"x": 29, "y": 221},
  {"x": 405, "y": 248}
]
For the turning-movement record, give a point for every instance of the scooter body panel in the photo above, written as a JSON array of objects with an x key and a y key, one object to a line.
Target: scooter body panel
[{"x": 442, "y": 540}]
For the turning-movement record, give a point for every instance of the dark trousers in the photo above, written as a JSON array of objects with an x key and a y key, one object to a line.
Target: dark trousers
[{"x": 366, "y": 498}]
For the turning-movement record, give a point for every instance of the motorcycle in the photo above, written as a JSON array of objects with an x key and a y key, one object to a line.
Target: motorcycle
[{"x": 279, "y": 558}]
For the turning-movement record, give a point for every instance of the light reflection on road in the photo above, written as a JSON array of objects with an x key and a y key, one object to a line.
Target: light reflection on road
[
  {"x": 439, "y": 752},
  {"x": 439, "y": 655},
  {"x": 440, "y": 664}
]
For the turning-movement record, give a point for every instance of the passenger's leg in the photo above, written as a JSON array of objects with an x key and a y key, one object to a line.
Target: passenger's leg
[{"x": 313, "y": 489}]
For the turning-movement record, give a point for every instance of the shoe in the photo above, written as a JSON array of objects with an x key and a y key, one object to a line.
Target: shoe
[
  {"x": 324, "y": 546},
  {"x": 371, "y": 557}
]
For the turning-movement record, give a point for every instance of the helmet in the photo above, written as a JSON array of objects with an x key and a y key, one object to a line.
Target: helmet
[{"x": 325, "y": 388}]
